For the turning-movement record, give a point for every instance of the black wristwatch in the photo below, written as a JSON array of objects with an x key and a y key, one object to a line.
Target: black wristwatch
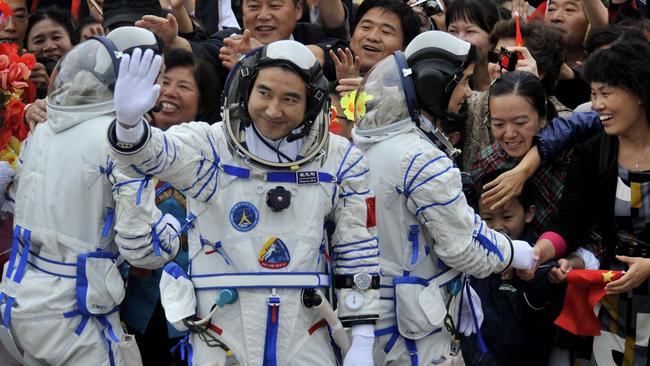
[{"x": 360, "y": 282}]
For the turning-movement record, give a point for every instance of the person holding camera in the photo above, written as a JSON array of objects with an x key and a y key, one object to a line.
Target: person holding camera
[{"x": 431, "y": 12}]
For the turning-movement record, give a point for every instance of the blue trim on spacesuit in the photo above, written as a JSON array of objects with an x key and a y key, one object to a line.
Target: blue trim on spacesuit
[
  {"x": 108, "y": 328},
  {"x": 272, "y": 324},
  {"x": 108, "y": 221},
  {"x": 336, "y": 255},
  {"x": 186, "y": 349},
  {"x": 353, "y": 193},
  {"x": 407, "y": 188},
  {"x": 374, "y": 238},
  {"x": 338, "y": 259},
  {"x": 217, "y": 246},
  {"x": 410, "y": 190},
  {"x": 414, "y": 239},
  {"x": 20, "y": 270},
  {"x": 356, "y": 175},
  {"x": 477, "y": 326},
  {"x": 487, "y": 243},
  {"x": 420, "y": 209},
  {"x": 409, "y": 169}
]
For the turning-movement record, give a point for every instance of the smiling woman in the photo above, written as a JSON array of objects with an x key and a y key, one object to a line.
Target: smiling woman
[
  {"x": 50, "y": 33},
  {"x": 518, "y": 110},
  {"x": 188, "y": 91},
  {"x": 607, "y": 187}
]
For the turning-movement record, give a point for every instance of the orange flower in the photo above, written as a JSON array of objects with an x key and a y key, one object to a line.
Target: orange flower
[
  {"x": 12, "y": 122},
  {"x": 4, "y": 62},
  {"x": 18, "y": 71}
]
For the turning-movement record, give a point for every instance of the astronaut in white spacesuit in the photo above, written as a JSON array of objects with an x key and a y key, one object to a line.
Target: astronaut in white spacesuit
[
  {"x": 260, "y": 187},
  {"x": 429, "y": 236},
  {"x": 61, "y": 288}
]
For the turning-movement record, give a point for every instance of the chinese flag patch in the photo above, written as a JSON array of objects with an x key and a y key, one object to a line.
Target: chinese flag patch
[{"x": 371, "y": 217}]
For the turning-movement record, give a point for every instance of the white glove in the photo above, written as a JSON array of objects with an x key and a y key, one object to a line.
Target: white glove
[
  {"x": 177, "y": 295},
  {"x": 360, "y": 352},
  {"x": 466, "y": 324},
  {"x": 6, "y": 177},
  {"x": 522, "y": 255},
  {"x": 135, "y": 92}
]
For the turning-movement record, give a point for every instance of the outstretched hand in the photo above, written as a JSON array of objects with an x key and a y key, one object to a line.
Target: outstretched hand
[
  {"x": 347, "y": 65},
  {"x": 235, "y": 46},
  {"x": 520, "y": 7},
  {"x": 165, "y": 28},
  {"x": 638, "y": 272},
  {"x": 136, "y": 90},
  {"x": 528, "y": 274}
]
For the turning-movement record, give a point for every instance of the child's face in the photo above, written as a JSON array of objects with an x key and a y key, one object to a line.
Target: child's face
[{"x": 510, "y": 219}]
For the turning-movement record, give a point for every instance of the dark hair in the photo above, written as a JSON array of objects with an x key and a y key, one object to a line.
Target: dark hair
[
  {"x": 57, "y": 15},
  {"x": 639, "y": 24},
  {"x": 84, "y": 23},
  {"x": 483, "y": 13},
  {"x": 525, "y": 198},
  {"x": 527, "y": 85},
  {"x": 545, "y": 44},
  {"x": 409, "y": 21},
  {"x": 205, "y": 80},
  {"x": 604, "y": 36},
  {"x": 624, "y": 64}
]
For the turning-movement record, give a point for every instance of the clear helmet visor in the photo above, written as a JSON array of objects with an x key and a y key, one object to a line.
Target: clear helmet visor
[
  {"x": 380, "y": 101},
  {"x": 85, "y": 75},
  {"x": 236, "y": 118}
]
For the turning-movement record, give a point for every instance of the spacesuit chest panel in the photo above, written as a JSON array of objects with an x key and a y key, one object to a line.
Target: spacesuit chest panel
[{"x": 243, "y": 233}]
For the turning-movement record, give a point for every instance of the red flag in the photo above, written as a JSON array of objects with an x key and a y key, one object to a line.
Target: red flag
[
  {"x": 539, "y": 12},
  {"x": 585, "y": 288},
  {"x": 519, "y": 39}
]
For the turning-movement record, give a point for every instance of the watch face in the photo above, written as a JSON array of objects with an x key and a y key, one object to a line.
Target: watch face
[
  {"x": 362, "y": 281},
  {"x": 354, "y": 300}
]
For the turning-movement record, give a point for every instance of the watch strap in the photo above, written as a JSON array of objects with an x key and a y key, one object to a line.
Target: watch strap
[{"x": 347, "y": 281}]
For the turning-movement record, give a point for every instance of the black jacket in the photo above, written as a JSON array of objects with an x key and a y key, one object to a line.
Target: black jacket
[{"x": 590, "y": 194}]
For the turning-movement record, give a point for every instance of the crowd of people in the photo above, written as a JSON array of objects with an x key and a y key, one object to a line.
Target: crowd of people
[{"x": 289, "y": 182}]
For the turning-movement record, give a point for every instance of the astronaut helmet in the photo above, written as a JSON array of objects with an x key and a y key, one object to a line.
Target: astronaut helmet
[
  {"x": 423, "y": 77},
  {"x": 87, "y": 73},
  {"x": 314, "y": 126}
]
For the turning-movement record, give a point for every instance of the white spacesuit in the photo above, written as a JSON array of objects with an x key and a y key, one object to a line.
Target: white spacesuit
[
  {"x": 61, "y": 288},
  {"x": 429, "y": 236},
  {"x": 257, "y": 207}
]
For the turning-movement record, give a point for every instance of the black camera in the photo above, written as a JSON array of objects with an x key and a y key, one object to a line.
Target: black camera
[
  {"x": 49, "y": 63},
  {"x": 507, "y": 60},
  {"x": 431, "y": 7}
]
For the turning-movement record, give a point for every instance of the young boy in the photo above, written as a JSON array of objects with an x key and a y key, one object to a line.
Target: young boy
[{"x": 518, "y": 327}]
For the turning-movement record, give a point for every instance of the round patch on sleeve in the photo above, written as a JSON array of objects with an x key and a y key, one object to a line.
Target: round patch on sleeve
[{"x": 244, "y": 216}]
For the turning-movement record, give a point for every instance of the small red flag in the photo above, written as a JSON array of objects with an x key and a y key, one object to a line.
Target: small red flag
[
  {"x": 585, "y": 288},
  {"x": 539, "y": 12}
]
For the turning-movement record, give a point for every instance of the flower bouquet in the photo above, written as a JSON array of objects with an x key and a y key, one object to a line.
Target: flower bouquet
[{"x": 15, "y": 90}]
